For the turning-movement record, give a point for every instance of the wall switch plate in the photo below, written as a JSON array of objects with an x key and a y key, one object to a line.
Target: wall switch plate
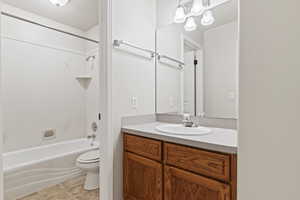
[{"x": 134, "y": 103}]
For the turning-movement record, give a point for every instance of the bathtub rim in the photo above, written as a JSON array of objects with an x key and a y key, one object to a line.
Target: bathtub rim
[{"x": 16, "y": 167}]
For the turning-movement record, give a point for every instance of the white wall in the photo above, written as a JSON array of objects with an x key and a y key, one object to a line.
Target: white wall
[
  {"x": 268, "y": 162},
  {"x": 220, "y": 79},
  {"x": 168, "y": 74},
  {"x": 133, "y": 76},
  {"x": 40, "y": 90}
]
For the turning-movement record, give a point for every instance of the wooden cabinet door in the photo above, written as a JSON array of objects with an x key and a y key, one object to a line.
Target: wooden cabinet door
[
  {"x": 142, "y": 178},
  {"x": 183, "y": 185}
]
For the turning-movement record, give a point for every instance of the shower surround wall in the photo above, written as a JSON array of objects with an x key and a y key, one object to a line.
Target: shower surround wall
[
  {"x": 92, "y": 93},
  {"x": 40, "y": 90}
]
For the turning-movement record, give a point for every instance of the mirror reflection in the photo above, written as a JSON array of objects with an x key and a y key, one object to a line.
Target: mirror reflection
[{"x": 197, "y": 66}]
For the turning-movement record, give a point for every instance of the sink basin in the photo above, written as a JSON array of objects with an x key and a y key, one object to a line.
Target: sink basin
[{"x": 179, "y": 129}]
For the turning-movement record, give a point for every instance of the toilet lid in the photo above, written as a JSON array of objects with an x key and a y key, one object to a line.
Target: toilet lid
[{"x": 91, "y": 156}]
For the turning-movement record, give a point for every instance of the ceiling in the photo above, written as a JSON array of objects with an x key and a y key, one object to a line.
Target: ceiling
[{"x": 81, "y": 14}]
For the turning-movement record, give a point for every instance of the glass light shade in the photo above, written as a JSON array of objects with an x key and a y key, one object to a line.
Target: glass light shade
[
  {"x": 208, "y": 18},
  {"x": 179, "y": 15},
  {"x": 190, "y": 24},
  {"x": 59, "y": 2},
  {"x": 197, "y": 7}
]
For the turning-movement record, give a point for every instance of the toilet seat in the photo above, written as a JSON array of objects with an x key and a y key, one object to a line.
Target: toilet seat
[{"x": 89, "y": 157}]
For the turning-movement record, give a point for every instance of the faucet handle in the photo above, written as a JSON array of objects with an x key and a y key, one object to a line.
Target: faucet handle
[
  {"x": 187, "y": 120},
  {"x": 92, "y": 135},
  {"x": 201, "y": 114},
  {"x": 186, "y": 117}
]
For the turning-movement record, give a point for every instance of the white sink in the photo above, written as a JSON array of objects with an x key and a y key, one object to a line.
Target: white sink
[{"x": 179, "y": 129}]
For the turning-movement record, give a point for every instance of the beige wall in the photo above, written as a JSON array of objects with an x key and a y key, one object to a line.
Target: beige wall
[{"x": 269, "y": 160}]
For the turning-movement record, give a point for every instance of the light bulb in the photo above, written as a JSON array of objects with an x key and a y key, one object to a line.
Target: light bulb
[
  {"x": 59, "y": 2},
  {"x": 190, "y": 24},
  {"x": 197, "y": 7},
  {"x": 179, "y": 15},
  {"x": 208, "y": 18}
]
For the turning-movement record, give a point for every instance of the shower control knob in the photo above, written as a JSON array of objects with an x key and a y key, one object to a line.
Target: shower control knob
[{"x": 94, "y": 126}]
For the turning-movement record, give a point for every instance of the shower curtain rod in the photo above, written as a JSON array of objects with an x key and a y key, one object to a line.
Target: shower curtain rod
[{"x": 48, "y": 27}]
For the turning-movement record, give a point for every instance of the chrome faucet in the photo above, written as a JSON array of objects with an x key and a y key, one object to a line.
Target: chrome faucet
[
  {"x": 187, "y": 120},
  {"x": 93, "y": 135}
]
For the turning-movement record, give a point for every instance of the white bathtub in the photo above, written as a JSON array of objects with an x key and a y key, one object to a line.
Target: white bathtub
[{"x": 30, "y": 170}]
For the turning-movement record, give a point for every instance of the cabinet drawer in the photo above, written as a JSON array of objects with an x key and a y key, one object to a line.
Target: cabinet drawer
[
  {"x": 209, "y": 164},
  {"x": 143, "y": 146}
]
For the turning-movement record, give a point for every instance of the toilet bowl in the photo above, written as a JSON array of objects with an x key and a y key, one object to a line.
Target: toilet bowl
[{"x": 89, "y": 163}]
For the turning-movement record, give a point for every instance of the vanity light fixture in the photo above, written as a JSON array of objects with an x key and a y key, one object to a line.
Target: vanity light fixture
[
  {"x": 207, "y": 18},
  {"x": 190, "y": 24},
  {"x": 179, "y": 14},
  {"x": 59, "y": 3},
  {"x": 199, "y": 8}
]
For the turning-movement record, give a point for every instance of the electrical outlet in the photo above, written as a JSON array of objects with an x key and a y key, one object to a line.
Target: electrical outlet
[{"x": 134, "y": 103}]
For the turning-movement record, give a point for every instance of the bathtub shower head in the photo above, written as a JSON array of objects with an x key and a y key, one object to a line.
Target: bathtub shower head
[{"x": 90, "y": 58}]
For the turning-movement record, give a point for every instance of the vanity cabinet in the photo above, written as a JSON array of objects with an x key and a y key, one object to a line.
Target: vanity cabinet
[
  {"x": 142, "y": 178},
  {"x": 156, "y": 170},
  {"x": 214, "y": 165},
  {"x": 181, "y": 184}
]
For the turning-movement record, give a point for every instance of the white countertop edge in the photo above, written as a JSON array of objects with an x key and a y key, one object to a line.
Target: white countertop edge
[{"x": 183, "y": 141}]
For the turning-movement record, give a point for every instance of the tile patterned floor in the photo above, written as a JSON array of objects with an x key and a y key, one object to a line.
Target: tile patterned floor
[{"x": 69, "y": 190}]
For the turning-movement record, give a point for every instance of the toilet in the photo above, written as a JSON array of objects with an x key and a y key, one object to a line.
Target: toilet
[{"x": 89, "y": 163}]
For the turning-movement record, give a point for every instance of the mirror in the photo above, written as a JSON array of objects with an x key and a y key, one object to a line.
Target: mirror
[{"x": 197, "y": 66}]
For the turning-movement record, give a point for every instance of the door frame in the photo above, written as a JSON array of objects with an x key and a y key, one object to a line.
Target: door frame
[
  {"x": 186, "y": 40},
  {"x": 105, "y": 91},
  {"x": 1, "y": 120}
]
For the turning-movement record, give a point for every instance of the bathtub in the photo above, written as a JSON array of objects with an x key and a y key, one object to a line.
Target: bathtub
[{"x": 30, "y": 170}]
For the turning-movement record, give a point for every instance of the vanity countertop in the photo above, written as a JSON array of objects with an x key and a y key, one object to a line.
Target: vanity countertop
[{"x": 221, "y": 140}]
